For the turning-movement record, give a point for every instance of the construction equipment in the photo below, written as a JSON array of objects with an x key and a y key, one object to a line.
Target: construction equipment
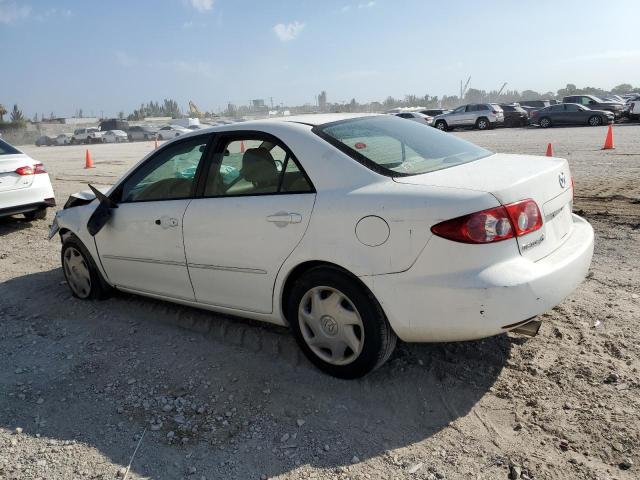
[
  {"x": 501, "y": 89},
  {"x": 193, "y": 109},
  {"x": 463, "y": 90}
]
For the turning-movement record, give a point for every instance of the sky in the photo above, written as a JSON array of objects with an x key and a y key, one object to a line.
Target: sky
[{"x": 111, "y": 55}]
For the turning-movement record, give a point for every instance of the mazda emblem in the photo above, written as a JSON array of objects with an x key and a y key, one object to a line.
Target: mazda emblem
[{"x": 562, "y": 180}]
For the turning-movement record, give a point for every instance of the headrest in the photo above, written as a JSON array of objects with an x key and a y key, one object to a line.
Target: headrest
[{"x": 258, "y": 166}]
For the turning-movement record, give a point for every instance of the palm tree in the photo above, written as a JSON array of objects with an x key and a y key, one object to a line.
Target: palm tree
[{"x": 3, "y": 112}]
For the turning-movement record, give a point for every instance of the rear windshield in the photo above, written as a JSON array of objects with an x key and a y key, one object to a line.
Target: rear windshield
[
  {"x": 6, "y": 149},
  {"x": 395, "y": 147}
]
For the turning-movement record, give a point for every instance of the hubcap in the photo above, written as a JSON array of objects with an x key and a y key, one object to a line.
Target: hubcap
[
  {"x": 77, "y": 272},
  {"x": 482, "y": 124},
  {"x": 441, "y": 126},
  {"x": 331, "y": 325}
]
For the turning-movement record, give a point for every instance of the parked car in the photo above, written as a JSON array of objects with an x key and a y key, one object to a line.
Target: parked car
[
  {"x": 351, "y": 229},
  {"x": 432, "y": 112},
  {"x": 87, "y": 135},
  {"x": 113, "y": 124},
  {"x": 481, "y": 116},
  {"x": 171, "y": 131},
  {"x": 142, "y": 132},
  {"x": 115, "y": 136},
  {"x": 595, "y": 103},
  {"x": 416, "y": 117},
  {"x": 570, "y": 114},
  {"x": 535, "y": 103},
  {"x": 25, "y": 187},
  {"x": 514, "y": 115},
  {"x": 45, "y": 140},
  {"x": 64, "y": 139}
]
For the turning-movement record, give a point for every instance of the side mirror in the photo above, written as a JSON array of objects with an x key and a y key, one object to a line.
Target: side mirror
[{"x": 101, "y": 214}]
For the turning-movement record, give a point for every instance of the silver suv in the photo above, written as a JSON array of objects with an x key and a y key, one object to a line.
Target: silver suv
[{"x": 479, "y": 115}]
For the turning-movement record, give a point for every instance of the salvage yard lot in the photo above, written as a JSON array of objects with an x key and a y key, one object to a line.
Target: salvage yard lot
[{"x": 228, "y": 398}]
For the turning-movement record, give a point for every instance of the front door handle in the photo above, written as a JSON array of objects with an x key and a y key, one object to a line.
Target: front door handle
[
  {"x": 285, "y": 217},
  {"x": 166, "y": 222}
]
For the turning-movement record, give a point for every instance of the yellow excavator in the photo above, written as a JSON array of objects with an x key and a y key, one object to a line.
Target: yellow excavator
[{"x": 193, "y": 109}]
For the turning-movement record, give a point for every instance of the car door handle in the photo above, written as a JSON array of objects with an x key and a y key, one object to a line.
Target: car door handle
[
  {"x": 284, "y": 217},
  {"x": 166, "y": 222}
]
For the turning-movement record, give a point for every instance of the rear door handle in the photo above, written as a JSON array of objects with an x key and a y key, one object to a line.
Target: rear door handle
[
  {"x": 166, "y": 222},
  {"x": 285, "y": 217}
]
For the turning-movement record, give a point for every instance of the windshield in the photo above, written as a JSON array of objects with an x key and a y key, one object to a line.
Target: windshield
[
  {"x": 6, "y": 149},
  {"x": 394, "y": 147}
]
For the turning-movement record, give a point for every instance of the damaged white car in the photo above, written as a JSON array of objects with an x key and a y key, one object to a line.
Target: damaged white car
[{"x": 353, "y": 230}]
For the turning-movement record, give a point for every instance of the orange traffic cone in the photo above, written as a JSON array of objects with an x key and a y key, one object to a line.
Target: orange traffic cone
[
  {"x": 88, "y": 163},
  {"x": 549, "y": 150},
  {"x": 608, "y": 142},
  {"x": 242, "y": 146}
]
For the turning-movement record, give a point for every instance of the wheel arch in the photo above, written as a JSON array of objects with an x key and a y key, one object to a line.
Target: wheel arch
[{"x": 302, "y": 268}]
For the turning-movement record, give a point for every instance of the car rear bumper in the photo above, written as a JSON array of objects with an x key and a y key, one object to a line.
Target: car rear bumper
[
  {"x": 29, "y": 207},
  {"x": 38, "y": 195},
  {"x": 471, "y": 304}
]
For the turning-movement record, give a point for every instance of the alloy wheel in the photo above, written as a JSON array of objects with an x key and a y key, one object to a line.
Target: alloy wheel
[{"x": 331, "y": 325}]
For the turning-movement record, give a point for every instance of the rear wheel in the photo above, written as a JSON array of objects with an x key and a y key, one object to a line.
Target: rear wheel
[
  {"x": 442, "y": 125},
  {"x": 40, "y": 214},
  {"x": 82, "y": 275},
  {"x": 595, "y": 121},
  {"x": 482, "y": 124},
  {"x": 545, "y": 122},
  {"x": 338, "y": 323}
]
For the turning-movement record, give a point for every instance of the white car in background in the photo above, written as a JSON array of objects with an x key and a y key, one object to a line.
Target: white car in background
[
  {"x": 350, "y": 229},
  {"x": 171, "y": 131},
  {"x": 87, "y": 135},
  {"x": 63, "y": 139},
  {"x": 24, "y": 185},
  {"x": 416, "y": 117},
  {"x": 115, "y": 136}
]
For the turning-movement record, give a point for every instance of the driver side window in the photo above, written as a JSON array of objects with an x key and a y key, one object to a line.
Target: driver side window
[{"x": 167, "y": 176}]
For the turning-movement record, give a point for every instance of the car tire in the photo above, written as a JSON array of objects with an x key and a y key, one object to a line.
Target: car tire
[
  {"x": 545, "y": 122},
  {"x": 441, "y": 125},
  {"x": 352, "y": 331},
  {"x": 83, "y": 277},
  {"x": 483, "y": 124},
  {"x": 39, "y": 214},
  {"x": 595, "y": 120},
  {"x": 73, "y": 141}
]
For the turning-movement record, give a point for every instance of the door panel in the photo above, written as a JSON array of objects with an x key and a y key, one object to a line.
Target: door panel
[
  {"x": 236, "y": 245},
  {"x": 141, "y": 248}
]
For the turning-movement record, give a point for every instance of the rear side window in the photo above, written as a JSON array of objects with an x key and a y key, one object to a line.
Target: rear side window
[
  {"x": 6, "y": 149},
  {"x": 393, "y": 147},
  {"x": 507, "y": 108}
]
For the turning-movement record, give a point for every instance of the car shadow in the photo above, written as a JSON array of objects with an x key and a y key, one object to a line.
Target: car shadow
[
  {"x": 13, "y": 224},
  {"x": 244, "y": 401}
]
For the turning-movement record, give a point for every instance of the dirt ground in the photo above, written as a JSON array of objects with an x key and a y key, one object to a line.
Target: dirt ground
[{"x": 203, "y": 396}]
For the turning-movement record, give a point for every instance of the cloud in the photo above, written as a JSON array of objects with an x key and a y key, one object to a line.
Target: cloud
[
  {"x": 607, "y": 55},
  {"x": 289, "y": 31},
  {"x": 11, "y": 11},
  {"x": 53, "y": 12},
  {"x": 345, "y": 9},
  {"x": 367, "y": 4},
  {"x": 202, "y": 5},
  {"x": 187, "y": 25}
]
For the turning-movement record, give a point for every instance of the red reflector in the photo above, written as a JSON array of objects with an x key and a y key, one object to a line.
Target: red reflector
[
  {"x": 25, "y": 171},
  {"x": 525, "y": 216}
]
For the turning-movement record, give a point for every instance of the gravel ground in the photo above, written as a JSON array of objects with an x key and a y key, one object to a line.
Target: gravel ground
[{"x": 204, "y": 396}]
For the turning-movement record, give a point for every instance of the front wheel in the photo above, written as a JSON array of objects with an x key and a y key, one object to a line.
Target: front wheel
[
  {"x": 40, "y": 214},
  {"x": 338, "y": 323},
  {"x": 82, "y": 275},
  {"x": 545, "y": 122},
  {"x": 441, "y": 125},
  {"x": 595, "y": 121}
]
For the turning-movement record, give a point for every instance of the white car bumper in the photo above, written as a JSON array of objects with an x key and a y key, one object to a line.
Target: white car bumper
[
  {"x": 38, "y": 195},
  {"x": 472, "y": 304}
]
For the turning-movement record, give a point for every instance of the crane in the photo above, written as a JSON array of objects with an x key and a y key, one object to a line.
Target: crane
[
  {"x": 501, "y": 89},
  {"x": 463, "y": 90},
  {"x": 194, "y": 110}
]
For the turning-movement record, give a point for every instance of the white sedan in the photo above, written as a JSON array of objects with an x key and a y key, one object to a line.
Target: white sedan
[
  {"x": 24, "y": 185},
  {"x": 115, "y": 136},
  {"x": 415, "y": 117},
  {"x": 171, "y": 131},
  {"x": 353, "y": 230},
  {"x": 64, "y": 139}
]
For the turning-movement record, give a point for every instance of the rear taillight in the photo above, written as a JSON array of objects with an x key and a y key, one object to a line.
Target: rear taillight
[
  {"x": 495, "y": 112},
  {"x": 493, "y": 224},
  {"x": 31, "y": 170},
  {"x": 525, "y": 216}
]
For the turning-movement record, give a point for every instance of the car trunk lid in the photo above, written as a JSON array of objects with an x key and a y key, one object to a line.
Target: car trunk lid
[
  {"x": 511, "y": 178},
  {"x": 9, "y": 179}
]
